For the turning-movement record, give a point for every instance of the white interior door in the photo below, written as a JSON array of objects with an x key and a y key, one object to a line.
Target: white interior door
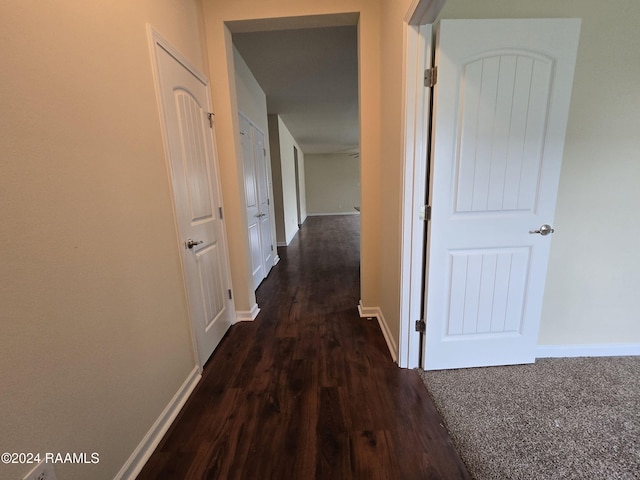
[
  {"x": 252, "y": 200},
  {"x": 262, "y": 179},
  {"x": 500, "y": 112},
  {"x": 296, "y": 171},
  {"x": 190, "y": 141}
]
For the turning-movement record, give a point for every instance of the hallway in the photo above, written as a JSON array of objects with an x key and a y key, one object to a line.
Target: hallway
[{"x": 308, "y": 390}]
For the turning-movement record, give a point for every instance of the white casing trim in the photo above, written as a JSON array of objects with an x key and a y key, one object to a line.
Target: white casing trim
[
  {"x": 248, "y": 316},
  {"x": 418, "y": 51},
  {"x": 366, "y": 312},
  {"x": 604, "y": 350},
  {"x": 146, "y": 447}
]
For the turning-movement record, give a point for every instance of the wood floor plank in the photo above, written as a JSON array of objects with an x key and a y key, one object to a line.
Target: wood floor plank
[
  {"x": 333, "y": 452},
  {"x": 309, "y": 389},
  {"x": 373, "y": 455}
]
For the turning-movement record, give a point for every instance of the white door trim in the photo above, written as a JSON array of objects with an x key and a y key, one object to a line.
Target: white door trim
[
  {"x": 417, "y": 111},
  {"x": 155, "y": 38}
]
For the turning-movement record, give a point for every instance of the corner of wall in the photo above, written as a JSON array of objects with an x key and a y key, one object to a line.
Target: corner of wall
[{"x": 376, "y": 312}]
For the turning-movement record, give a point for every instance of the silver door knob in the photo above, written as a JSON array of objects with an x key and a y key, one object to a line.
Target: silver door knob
[
  {"x": 544, "y": 230},
  {"x": 192, "y": 243}
]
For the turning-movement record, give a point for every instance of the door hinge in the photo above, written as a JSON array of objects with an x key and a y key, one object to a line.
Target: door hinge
[
  {"x": 425, "y": 213},
  {"x": 421, "y": 326},
  {"x": 230, "y": 295},
  {"x": 430, "y": 76},
  {"x": 220, "y": 211},
  {"x": 264, "y": 150},
  {"x": 268, "y": 202},
  {"x": 210, "y": 117},
  {"x": 272, "y": 248}
]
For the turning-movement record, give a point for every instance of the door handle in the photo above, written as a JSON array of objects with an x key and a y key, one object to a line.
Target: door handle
[
  {"x": 260, "y": 215},
  {"x": 192, "y": 243},
  {"x": 544, "y": 230}
]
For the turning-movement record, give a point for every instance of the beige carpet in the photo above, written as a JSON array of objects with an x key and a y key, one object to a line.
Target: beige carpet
[{"x": 569, "y": 418}]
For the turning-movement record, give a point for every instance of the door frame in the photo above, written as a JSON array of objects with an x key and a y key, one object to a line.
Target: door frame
[{"x": 418, "y": 56}]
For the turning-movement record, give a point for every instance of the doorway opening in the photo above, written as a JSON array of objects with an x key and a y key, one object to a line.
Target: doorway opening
[{"x": 303, "y": 84}]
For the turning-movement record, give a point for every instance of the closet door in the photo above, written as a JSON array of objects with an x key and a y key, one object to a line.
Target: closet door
[{"x": 256, "y": 188}]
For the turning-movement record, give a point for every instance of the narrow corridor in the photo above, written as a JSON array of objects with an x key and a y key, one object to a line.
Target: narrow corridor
[{"x": 308, "y": 390}]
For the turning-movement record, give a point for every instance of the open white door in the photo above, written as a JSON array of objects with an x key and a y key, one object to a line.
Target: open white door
[
  {"x": 501, "y": 104},
  {"x": 188, "y": 129}
]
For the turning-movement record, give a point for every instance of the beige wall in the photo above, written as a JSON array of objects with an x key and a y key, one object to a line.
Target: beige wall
[
  {"x": 94, "y": 332},
  {"x": 217, "y": 12},
  {"x": 391, "y": 147},
  {"x": 591, "y": 295},
  {"x": 333, "y": 183}
]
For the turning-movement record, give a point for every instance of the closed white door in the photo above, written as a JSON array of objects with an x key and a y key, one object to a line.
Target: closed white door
[
  {"x": 501, "y": 104},
  {"x": 252, "y": 201},
  {"x": 262, "y": 179},
  {"x": 191, "y": 149},
  {"x": 256, "y": 183}
]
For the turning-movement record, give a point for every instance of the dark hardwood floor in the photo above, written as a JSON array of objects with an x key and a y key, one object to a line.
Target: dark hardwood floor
[{"x": 308, "y": 390}]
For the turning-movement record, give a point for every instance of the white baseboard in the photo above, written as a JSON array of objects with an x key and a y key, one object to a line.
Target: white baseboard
[
  {"x": 331, "y": 214},
  {"x": 276, "y": 260},
  {"x": 143, "y": 451},
  {"x": 605, "y": 350},
  {"x": 282, "y": 244},
  {"x": 375, "y": 312},
  {"x": 248, "y": 316}
]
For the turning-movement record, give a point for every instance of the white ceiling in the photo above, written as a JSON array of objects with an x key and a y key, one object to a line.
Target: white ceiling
[{"x": 310, "y": 78}]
